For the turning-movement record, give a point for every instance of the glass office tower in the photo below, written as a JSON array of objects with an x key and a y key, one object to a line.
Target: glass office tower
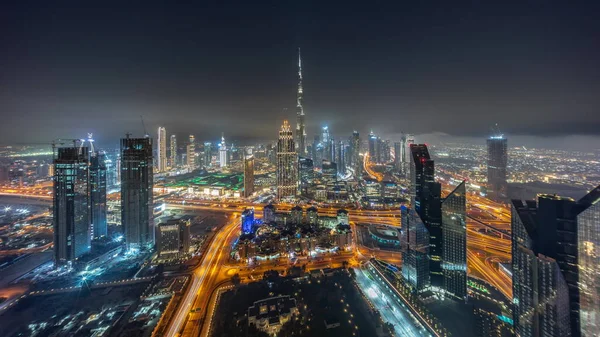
[
  {"x": 136, "y": 192},
  {"x": 71, "y": 208}
]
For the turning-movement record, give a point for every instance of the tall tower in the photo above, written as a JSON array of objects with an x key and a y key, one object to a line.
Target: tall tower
[
  {"x": 496, "y": 165},
  {"x": 207, "y": 154},
  {"x": 248, "y": 174},
  {"x": 454, "y": 237},
  {"x": 588, "y": 229},
  {"x": 287, "y": 181},
  {"x": 71, "y": 204},
  {"x": 98, "y": 194},
  {"x": 173, "y": 151},
  {"x": 162, "y": 149},
  {"x": 356, "y": 164},
  {"x": 426, "y": 200},
  {"x": 300, "y": 127},
  {"x": 326, "y": 141},
  {"x": 191, "y": 153},
  {"x": 372, "y": 147},
  {"x": 223, "y": 152},
  {"x": 136, "y": 191}
]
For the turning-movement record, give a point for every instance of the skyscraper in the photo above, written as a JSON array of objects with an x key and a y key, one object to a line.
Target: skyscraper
[
  {"x": 173, "y": 158},
  {"x": 287, "y": 181},
  {"x": 162, "y": 149},
  {"x": 248, "y": 174},
  {"x": 306, "y": 175},
  {"x": 71, "y": 209},
  {"x": 546, "y": 270},
  {"x": 341, "y": 158},
  {"x": 403, "y": 161},
  {"x": 98, "y": 194},
  {"x": 326, "y": 141},
  {"x": 191, "y": 153},
  {"x": 136, "y": 192},
  {"x": 588, "y": 235},
  {"x": 223, "y": 152},
  {"x": 207, "y": 154},
  {"x": 426, "y": 200},
  {"x": 300, "y": 127},
  {"x": 454, "y": 234},
  {"x": 372, "y": 147},
  {"x": 356, "y": 164},
  {"x": 414, "y": 240},
  {"x": 496, "y": 166},
  {"x": 398, "y": 156}
]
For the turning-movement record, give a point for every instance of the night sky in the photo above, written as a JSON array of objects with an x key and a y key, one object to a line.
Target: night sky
[{"x": 222, "y": 66}]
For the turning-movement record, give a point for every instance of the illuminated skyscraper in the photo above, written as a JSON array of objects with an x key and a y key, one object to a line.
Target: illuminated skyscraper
[
  {"x": 98, "y": 194},
  {"x": 300, "y": 127},
  {"x": 223, "y": 152},
  {"x": 248, "y": 175},
  {"x": 545, "y": 265},
  {"x": 496, "y": 166},
  {"x": 372, "y": 147},
  {"x": 414, "y": 240},
  {"x": 306, "y": 175},
  {"x": 173, "y": 158},
  {"x": 356, "y": 163},
  {"x": 71, "y": 208},
  {"x": 162, "y": 149},
  {"x": 588, "y": 235},
  {"x": 403, "y": 148},
  {"x": 398, "y": 156},
  {"x": 454, "y": 230},
  {"x": 326, "y": 141},
  {"x": 341, "y": 158},
  {"x": 191, "y": 153},
  {"x": 173, "y": 239},
  {"x": 426, "y": 200},
  {"x": 207, "y": 154},
  {"x": 136, "y": 192},
  {"x": 287, "y": 181}
]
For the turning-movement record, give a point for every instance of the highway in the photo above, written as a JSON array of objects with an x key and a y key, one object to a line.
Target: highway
[{"x": 196, "y": 294}]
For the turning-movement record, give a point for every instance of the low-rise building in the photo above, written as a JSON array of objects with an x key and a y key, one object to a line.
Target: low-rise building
[{"x": 270, "y": 314}]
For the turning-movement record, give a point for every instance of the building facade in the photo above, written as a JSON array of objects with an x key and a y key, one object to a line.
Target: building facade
[
  {"x": 191, "y": 153},
  {"x": 540, "y": 291},
  {"x": 426, "y": 200},
  {"x": 588, "y": 236},
  {"x": 173, "y": 152},
  {"x": 496, "y": 166},
  {"x": 136, "y": 192},
  {"x": 454, "y": 234},
  {"x": 248, "y": 175},
  {"x": 173, "y": 238},
  {"x": 71, "y": 208},
  {"x": 98, "y": 194},
  {"x": 223, "y": 159},
  {"x": 287, "y": 180},
  {"x": 162, "y": 150}
]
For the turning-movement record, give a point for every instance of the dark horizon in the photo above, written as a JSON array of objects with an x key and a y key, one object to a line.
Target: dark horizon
[{"x": 205, "y": 69}]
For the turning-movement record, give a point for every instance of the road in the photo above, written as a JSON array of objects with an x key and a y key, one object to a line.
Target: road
[
  {"x": 196, "y": 295},
  {"x": 405, "y": 324}
]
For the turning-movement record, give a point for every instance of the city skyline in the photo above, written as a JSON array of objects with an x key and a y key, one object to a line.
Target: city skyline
[{"x": 300, "y": 169}]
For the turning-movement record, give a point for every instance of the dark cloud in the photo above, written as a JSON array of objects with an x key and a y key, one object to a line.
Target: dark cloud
[{"x": 230, "y": 67}]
